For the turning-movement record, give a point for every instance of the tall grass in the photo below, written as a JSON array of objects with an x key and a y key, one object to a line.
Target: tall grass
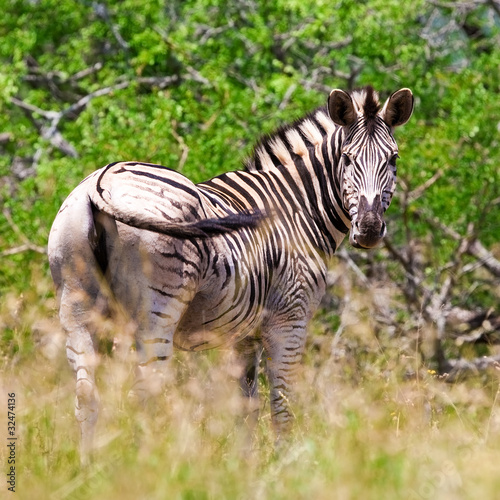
[{"x": 372, "y": 423}]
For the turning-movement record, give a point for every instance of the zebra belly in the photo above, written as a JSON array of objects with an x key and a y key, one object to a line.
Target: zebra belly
[{"x": 205, "y": 326}]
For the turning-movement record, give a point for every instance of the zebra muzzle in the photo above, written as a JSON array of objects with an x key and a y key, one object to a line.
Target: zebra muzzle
[{"x": 369, "y": 227}]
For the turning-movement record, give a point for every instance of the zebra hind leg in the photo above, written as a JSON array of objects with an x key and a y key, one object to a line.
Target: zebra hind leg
[
  {"x": 82, "y": 357},
  {"x": 249, "y": 353}
]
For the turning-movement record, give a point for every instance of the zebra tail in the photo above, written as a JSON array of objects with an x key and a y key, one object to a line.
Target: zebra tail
[{"x": 204, "y": 228}]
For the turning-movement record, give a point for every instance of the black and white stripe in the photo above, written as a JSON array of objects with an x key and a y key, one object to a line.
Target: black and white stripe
[{"x": 240, "y": 259}]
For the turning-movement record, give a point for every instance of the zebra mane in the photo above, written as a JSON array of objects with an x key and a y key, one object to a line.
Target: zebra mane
[
  {"x": 279, "y": 147},
  {"x": 367, "y": 101}
]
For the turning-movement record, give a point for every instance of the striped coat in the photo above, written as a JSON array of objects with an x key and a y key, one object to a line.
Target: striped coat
[{"x": 238, "y": 260}]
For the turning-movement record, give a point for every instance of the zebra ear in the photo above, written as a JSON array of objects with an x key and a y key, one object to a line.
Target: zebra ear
[
  {"x": 341, "y": 108},
  {"x": 398, "y": 108}
]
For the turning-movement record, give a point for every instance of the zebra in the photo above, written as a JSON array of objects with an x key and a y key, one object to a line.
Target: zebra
[{"x": 239, "y": 260}]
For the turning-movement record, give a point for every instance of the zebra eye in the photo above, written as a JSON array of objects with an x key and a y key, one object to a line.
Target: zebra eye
[
  {"x": 346, "y": 159},
  {"x": 393, "y": 159}
]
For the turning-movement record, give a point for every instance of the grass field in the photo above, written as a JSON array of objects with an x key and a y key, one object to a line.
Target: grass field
[{"x": 372, "y": 423}]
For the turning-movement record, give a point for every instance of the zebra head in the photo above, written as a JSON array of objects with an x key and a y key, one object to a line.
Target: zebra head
[{"x": 367, "y": 157}]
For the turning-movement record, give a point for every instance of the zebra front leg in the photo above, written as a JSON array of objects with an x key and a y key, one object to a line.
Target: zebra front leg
[{"x": 283, "y": 348}]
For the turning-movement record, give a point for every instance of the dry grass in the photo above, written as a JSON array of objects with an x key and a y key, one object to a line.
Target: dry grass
[{"x": 372, "y": 425}]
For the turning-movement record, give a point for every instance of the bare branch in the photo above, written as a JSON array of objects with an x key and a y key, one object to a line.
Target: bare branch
[
  {"x": 23, "y": 248},
  {"x": 288, "y": 94},
  {"x": 419, "y": 191},
  {"x": 48, "y": 115},
  {"x": 5, "y": 138},
  {"x": 495, "y": 5},
  {"x": 158, "y": 81},
  {"x": 53, "y": 79},
  {"x": 344, "y": 255},
  {"x": 457, "y": 367},
  {"x": 81, "y": 103},
  {"x": 484, "y": 256},
  {"x": 475, "y": 248},
  {"x": 50, "y": 131},
  {"x": 27, "y": 245},
  {"x": 86, "y": 72},
  {"x": 183, "y": 146},
  {"x": 101, "y": 11},
  {"x": 197, "y": 76},
  {"x": 461, "y": 6}
]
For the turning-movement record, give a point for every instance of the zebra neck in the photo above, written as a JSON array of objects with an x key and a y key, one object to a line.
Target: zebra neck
[
  {"x": 316, "y": 194},
  {"x": 309, "y": 149},
  {"x": 291, "y": 196},
  {"x": 291, "y": 172}
]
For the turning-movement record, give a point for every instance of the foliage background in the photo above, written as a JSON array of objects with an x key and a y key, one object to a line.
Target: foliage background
[{"x": 192, "y": 85}]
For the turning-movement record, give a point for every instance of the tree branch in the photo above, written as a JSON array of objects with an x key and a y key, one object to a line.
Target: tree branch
[
  {"x": 27, "y": 245},
  {"x": 474, "y": 248},
  {"x": 495, "y": 5},
  {"x": 23, "y": 248},
  {"x": 184, "y": 147},
  {"x": 457, "y": 367},
  {"x": 50, "y": 132},
  {"x": 419, "y": 191}
]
